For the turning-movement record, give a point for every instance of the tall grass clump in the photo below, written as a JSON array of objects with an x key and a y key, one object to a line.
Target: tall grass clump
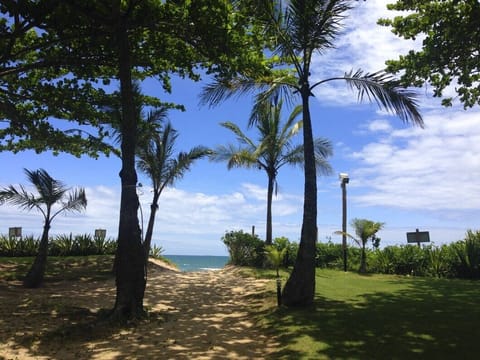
[
  {"x": 467, "y": 253},
  {"x": 59, "y": 245}
]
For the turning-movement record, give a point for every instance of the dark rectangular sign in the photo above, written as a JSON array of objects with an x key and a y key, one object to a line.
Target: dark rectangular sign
[{"x": 418, "y": 237}]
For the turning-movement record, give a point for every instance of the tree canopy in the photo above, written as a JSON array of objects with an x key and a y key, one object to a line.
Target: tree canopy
[
  {"x": 450, "y": 51},
  {"x": 54, "y": 69}
]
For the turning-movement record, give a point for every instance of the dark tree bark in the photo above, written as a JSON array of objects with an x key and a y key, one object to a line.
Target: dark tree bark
[
  {"x": 268, "y": 238},
  {"x": 35, "y": 275},
  {"x": 363, "y": 261},
  {"x": 300, "y": 287},
  {"x": 151, "y": 221},
  {"x": 130, "y": 261}
]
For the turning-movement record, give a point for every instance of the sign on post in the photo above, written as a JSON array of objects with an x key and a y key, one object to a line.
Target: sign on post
[
  {"x": 418, "y": 237},
  {"x": 100, "y": 233},
  {"x": 15, "y": 232}
]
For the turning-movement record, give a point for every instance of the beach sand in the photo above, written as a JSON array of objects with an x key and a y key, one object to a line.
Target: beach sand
[{"x": 194, "y": 315}]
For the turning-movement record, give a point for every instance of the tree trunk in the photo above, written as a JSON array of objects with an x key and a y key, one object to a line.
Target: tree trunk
[
  {"x": 268, "y": 237},
  {"x": 151, "y": 221},
  {"x": 300, "y": 287},
  {"x": 35, "y": 275},
  {"x": 363, "y": 261},
  {"x": 130, "y": 265}
]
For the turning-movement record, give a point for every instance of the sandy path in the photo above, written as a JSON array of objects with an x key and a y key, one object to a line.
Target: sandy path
[{"x": 198, "y": 315}]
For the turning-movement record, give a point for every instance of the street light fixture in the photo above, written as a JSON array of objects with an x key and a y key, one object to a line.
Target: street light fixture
[{"x": 344, "y": 181}]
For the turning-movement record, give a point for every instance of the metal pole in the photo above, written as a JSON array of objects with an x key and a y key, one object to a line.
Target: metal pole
[{"x": 344, "y": 223}]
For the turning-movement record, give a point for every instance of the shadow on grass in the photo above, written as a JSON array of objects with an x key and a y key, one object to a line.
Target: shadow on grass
[{"x": 426, "y": 319}]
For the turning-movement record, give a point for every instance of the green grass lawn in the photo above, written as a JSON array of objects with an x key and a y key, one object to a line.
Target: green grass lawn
[{"x": 380, "y": 317}]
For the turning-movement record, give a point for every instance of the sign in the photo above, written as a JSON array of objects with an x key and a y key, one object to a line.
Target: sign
[
  {"x": 418, "y": 237},
  {"x": 15, "y": 232},
  {"x": 100, "y": 233}
]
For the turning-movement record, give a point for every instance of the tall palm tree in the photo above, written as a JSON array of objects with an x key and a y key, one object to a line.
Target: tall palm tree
[
  {"x": 156, "y": 158},
  {"x": 302, "y": 28},
  {"x": 273, "y": 150},
  {"x": 51, "y": 193},
  {"x": 365, "y": 230}
]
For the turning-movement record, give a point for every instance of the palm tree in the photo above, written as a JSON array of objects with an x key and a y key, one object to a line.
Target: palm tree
[
  {"x": 301, "y": 29},
  {"x": 157, "y": 160},
  {"x": 51, "y": 192},
  {"x": 273, "y": 150},
  {"x": 365, "y": 230}
]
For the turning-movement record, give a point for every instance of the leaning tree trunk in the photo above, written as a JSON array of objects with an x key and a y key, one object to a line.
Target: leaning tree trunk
[
  {"x": 268, "y": 237},
  {"x": 151, "y": 221},
  {"x": 130, "y": 265},
  {"x": 300, "y": 287},
  {"x": 35, "y": 275}
]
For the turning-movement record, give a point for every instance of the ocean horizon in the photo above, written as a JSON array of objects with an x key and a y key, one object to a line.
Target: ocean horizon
[{"x": 198, "y": 262}]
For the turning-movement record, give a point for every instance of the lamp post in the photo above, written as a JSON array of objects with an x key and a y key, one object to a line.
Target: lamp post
[{"x": 344, "y": 181}]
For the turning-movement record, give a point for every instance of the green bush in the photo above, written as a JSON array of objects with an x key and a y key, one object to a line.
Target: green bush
[
  {"x": 329, "y": 255},
  {"x": 467, "y": 264},
  {"x": 291, "y": 250},
  {"x": 244, "y": 249},
  {"x": 156, "y": 252},
  {"x": 60, "y": 245},
  {"x": 383, "y": 261}
]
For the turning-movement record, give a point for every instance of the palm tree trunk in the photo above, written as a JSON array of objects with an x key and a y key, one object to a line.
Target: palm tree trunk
[
  {"x": 130, "y": 265},
  {"x": 363, "y": 261},
  {"x": 151, "y": 221},
  {"x": 268, "y": 237},
  {"x": 300, "y": 287},
  {"x": 35, "y": 275}
]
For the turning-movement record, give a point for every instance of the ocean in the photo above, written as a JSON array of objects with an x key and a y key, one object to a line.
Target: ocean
[{"x": 198, "y": 262}]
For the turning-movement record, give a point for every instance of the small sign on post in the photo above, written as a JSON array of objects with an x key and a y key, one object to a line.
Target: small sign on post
[
  {"x": 15, "y": 232},
  {"x": 418, "y": 237},
  {"x": 100, "y": 233}
]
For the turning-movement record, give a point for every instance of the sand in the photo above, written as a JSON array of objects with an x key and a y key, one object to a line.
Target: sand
[{"x": 194, "y": 315}]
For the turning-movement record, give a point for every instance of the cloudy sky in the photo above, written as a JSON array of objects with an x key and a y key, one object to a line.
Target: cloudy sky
[{"x": 402, "y": 175}]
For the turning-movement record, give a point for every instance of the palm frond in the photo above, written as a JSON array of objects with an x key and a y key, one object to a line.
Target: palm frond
[
  {"x": 387, "y": 93},
  {"x": 50, "y": 190},
  {"x": 338, "y": 232},
  {"x": 313, "y": 25},
  {"x": 323, "y": 149},
  {"x": 76, "y": 202},
  {"x": 19, "y": 197},
  {"x": 220, "y": 90},
  {"x": 179, "y": 166},
  {"x": 241, "y": 137}
]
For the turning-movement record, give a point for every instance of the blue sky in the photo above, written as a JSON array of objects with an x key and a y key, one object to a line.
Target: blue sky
[{"x": 404, "y": 176}]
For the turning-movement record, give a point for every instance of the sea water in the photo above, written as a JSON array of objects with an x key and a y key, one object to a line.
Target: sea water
[{"x": 198, "y": 262}]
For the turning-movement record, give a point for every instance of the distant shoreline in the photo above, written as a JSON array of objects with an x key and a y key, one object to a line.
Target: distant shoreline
[{"x": 189, "y": 263}]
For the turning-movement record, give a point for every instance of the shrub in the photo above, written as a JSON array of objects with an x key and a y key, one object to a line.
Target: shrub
[
  {"x": 439, "y": 262},
  {"x": 244, "y": 249},
  {"x": 156, "y": 252},
  {"x": 383, "y": 261},
  {"x": 8, "y": 246},
  {"x": 61, "y": 245},
  {"x": 329, "y": 255},
  {"x": 84, "y": 245},
  {"x": 291, "y": 251},
  {"x": 468, "y": 256}
]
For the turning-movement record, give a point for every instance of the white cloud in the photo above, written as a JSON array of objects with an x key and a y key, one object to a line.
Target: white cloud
[
  {"x": 187, "y": 222},
  {"x": 362, "y": 45},
  {"x": 379, "y": 125},
  {"x": 436, "y": 168}
]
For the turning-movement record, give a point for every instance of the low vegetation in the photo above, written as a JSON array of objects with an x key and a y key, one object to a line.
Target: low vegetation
[
  {"x": 65, "y": 245},
  {"x": 460, "y": 259}
]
